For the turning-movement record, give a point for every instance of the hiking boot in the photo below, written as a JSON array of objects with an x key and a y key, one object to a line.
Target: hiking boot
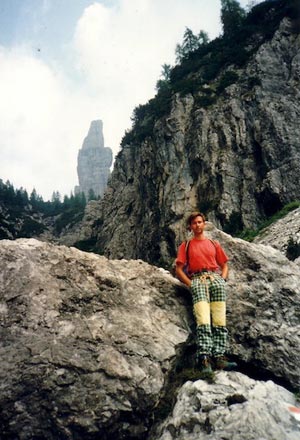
[
  {"x": 204, "y": 365},
  {"x": 222, "y": 363}
]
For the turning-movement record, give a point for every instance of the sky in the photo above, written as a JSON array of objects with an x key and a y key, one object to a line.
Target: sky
[{"x": 65, "y": 63}]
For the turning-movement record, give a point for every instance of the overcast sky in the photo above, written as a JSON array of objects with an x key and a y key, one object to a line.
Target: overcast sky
[{"x": 64, "y": 63}]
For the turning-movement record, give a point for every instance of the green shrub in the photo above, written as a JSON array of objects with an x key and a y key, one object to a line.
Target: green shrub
[
  {"x": 127, "y": 139},
  {"x": 226, "y": 80},
  {"x": 205, "y": 101},
  {"x": 293, "y": 249}
]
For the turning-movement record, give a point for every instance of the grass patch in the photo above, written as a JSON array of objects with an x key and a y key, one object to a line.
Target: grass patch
[{"x": 250, "y": 234}]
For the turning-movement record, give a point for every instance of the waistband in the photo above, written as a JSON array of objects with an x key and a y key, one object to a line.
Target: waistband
[{"x": 203, "y": 271}]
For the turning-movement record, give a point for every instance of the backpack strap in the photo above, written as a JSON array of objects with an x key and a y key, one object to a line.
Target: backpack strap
[
  {"x": 213, "y": 242},
  {"x": 187, "y": 243}
]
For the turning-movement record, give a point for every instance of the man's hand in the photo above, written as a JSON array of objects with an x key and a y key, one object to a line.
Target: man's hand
[{"x": 182, "y": 276}]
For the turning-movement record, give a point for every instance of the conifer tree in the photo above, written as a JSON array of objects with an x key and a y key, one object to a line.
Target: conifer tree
[
  {"x": 56, "y": 197},
  {"x": 33, "y": 197},
  {"x": 163, "y": 82},
  {"x": 232, "y": 17},
  {"x": 191, "y": 42}
]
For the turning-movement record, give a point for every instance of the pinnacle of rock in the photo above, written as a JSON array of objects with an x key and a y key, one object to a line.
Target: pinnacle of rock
[
  {"x": 94, "y": 138},
  {"x": 94, "y": 161}
]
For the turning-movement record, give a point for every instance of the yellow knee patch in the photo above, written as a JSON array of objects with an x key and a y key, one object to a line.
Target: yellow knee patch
[
  {"x": 202, "y": 313},
  {"x": 218, "y": 313}
]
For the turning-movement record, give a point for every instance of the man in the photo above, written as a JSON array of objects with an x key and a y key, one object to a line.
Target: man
[{"x": 204, "y": 259}]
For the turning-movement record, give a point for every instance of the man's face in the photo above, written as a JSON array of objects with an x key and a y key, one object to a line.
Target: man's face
[{"x": 197, "y": 225}]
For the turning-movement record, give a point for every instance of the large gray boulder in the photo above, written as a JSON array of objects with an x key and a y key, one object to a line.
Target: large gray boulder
[
  {"x": 263, "y": 314},
  {"x": 86, "y": 343},
  {"x": 233, "y": 408},
  {"x": 89, "y": 346}
]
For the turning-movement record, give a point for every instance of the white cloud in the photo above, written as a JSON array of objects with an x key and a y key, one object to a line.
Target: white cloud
[{"x": 42, "y": 124}]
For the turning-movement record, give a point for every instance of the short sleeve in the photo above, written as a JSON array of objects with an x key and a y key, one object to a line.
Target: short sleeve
[
  {"x": 181, "y": 254},
  {"x": 221, "y": 256}
]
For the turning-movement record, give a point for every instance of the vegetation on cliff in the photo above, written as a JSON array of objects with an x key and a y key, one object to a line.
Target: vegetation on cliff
[{"x": 204, "y": 67}]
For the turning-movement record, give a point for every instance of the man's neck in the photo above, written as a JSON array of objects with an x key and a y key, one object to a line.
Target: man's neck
[{"x": 200, "y": 236}]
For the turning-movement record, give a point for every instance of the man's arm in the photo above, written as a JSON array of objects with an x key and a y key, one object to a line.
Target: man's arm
[
  {"x": 181, "y": 275},
  {"x": 225, "y": 269}
]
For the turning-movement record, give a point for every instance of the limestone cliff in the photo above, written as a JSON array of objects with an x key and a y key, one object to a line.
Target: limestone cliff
[
  {"x": 236, "y": 159},
  {"x": 94, "y": 161}
]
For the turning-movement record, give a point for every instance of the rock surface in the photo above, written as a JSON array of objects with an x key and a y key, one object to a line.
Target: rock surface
[
  {"x": 233, "y": 408},
  {"x": 86, "y": 343},
  {"x": 237, "y": 160},
  {"x": 94, "y": 161},
  {"x": 79, "y": 234}
]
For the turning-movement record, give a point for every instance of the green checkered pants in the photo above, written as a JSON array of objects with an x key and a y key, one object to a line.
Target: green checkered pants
[{"x": 209, "y": 307}]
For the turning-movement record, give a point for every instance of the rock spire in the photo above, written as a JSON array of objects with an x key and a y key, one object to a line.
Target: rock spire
[{"x": 93, "y": 162}]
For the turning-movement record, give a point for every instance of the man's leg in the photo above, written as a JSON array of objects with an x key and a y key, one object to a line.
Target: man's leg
[
  {"x": 201, "y": 309},
  {"x": 218, "y": 314},
  {"x": 219, "y": 330}
]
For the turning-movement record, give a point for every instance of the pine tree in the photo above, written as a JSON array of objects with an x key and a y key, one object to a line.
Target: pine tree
[
  {"x": 164, "y": 81},
  {"x": 191, "y": 42},
  {"x": 33, "y": 197},
  {"x": 232, "y": 17},
  {"x": 56, "y": 197}
]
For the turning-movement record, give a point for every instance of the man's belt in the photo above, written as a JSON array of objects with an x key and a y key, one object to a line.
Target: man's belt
[
  {"x": 204, "y": 276},
  {"x": 201, "y": 272}
]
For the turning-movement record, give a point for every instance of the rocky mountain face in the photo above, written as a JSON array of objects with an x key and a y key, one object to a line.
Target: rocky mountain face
[
  {"x": 90, "y": 347},
  {"x": 236, "y": 159},
  {"x": 94, "y": 162}
]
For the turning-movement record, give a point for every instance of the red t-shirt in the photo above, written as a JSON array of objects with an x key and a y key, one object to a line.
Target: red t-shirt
[{"x": 202, "y": 254}]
